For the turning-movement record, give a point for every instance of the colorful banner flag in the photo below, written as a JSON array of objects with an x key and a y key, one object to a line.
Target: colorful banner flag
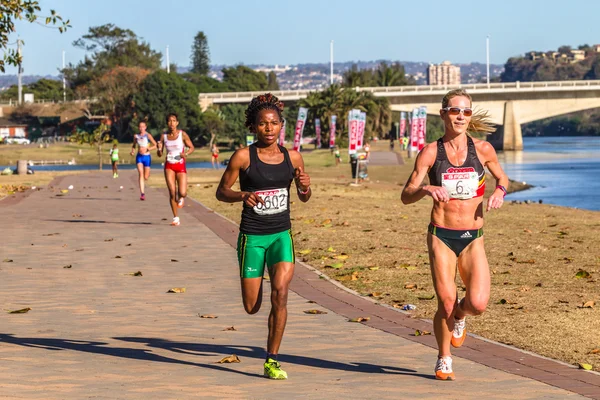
[
  {"x": 422, "y": 128},
  {"x": 414, "y": 130},
  {"x": 362, "y": 121},
  {"x": 353, "y": 122},
  {"x": 318, "y": 132},
  {"x": 282, "y": 134},
  {"x": 332, "y": 131},
  {"x": 402, "y": 125},
  {"x": 300, "y": 122}
]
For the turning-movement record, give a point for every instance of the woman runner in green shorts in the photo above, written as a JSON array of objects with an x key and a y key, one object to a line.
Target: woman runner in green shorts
[{"x": 266, "y": 171}]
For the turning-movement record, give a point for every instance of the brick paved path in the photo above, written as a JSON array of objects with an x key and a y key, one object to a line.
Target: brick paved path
[{"x": 95, "y": 332}]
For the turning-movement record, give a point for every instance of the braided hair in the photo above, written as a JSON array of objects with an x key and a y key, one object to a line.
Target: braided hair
[{"x": 262, "y": 102}]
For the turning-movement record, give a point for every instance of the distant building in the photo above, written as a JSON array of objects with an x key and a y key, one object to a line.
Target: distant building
[
  {"x": 10, "y": 128},
  {"x": 573, "y": 56},
  {"x": 443, "y": 74},
  {"x": 577, "y": 55},
  {"x": 276, "y": 69}
]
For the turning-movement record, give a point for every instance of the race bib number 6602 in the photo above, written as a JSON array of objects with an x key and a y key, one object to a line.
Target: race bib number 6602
[{"x": 276, "y": 201}]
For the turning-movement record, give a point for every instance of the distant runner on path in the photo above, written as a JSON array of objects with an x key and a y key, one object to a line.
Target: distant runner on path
[
  {"x": 455, "y": 166},
  {"x": 142, "y": 159},
  {"x": 266, "y": 171},
  {"x": 114, "y": 158},
  {"x": 175, "y": 141}
]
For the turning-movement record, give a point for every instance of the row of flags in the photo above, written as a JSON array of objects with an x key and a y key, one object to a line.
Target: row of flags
[
  {"x": 356, "y": 127},
  {"x": 418, "y": 127}
]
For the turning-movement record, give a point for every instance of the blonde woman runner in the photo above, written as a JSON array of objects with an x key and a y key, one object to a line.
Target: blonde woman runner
[{"x": 455, "y": 167}]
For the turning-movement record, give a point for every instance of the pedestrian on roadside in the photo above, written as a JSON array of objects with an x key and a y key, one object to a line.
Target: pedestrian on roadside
[
  {"x": 215, "y": 156},
  {"x": 338, "y": 157},
  {"x": 114, "y": 158},
  {"x": 266, "y": 171},
  {"x": 143, "y": 159},
  {"x": 178, "y": 147},
  {"x": 455, "y": 167}
]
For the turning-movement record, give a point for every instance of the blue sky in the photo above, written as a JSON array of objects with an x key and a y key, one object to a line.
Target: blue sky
[{"x": 291, "y": 32}]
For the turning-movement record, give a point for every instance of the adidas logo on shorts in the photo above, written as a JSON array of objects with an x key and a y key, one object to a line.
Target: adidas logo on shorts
[{"x": 466, "y": 235}]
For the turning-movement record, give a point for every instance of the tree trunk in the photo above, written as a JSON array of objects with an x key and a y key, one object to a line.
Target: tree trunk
[{"x": 212, "y": 139}]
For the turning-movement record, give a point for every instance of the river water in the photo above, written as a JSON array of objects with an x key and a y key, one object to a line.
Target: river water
[{"x": 564, "y": 170}]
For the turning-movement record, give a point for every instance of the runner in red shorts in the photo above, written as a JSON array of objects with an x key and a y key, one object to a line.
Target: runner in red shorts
[{"x": 175, "y": 141}]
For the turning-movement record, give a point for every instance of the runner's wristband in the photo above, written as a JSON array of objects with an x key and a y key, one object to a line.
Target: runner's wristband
[
  {"x": 305, "y": 192},
  {"x": 501, "y": 188}
]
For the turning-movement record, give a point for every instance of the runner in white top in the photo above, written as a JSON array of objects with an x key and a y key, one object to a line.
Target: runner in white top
[
  {"x": 175, "y": 141},
  {"x": 143, "y": 160}
]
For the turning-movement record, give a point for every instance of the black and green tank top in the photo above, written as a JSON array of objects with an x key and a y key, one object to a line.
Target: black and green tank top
[{"x": 272, "y": 183}]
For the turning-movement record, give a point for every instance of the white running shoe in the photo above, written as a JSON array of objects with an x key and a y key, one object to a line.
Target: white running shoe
[
  {"x": 175, "y": 221},
  {"x": 180, "y": 202},
  {"x": 459, "y": 333},
  {"x": 443, "y": 369}
]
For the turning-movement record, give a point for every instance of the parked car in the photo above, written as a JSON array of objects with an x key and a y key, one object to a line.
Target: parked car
[{"x": 17, "y": 140}]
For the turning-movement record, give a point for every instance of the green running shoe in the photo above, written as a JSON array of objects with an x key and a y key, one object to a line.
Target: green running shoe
[{"x": 273, "y": 370}]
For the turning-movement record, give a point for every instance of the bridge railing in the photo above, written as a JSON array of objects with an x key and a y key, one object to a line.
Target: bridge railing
[{"x": 408, "y": 90}]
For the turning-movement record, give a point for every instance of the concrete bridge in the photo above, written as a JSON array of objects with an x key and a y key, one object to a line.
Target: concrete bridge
[{"x": 509, "y": 104}]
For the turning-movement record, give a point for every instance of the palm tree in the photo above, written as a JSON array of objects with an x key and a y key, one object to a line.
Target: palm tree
[{"x": 389, "y": 75}]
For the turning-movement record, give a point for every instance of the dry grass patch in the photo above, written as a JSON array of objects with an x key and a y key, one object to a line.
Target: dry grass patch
[{"x": 10, "y": 184}]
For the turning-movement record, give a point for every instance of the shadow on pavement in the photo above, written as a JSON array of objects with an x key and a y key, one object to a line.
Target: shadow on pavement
[
  {"x": 204, "y": 349},
  {"x": 92, "y": 221},
  {"x": 86, "y": 198},
  {"x": 198, "y": 349},
  {"x": 102, "y": 348}
]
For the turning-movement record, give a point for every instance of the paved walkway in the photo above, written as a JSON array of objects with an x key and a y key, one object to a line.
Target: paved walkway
[
  {"x": 385, "y": 158},
  {"x": 95, "y": 332}
]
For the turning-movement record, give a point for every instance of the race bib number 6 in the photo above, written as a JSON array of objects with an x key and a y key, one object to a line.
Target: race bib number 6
[
  {"x": 276, "y": 201},
  {"x": 460, "y": 185}
]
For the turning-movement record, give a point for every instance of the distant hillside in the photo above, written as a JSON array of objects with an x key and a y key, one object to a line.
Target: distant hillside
[
  {"x": 563, "y": 64},
  {"x": 313, "y": 76},
  {"x": 7, "y": 81}
]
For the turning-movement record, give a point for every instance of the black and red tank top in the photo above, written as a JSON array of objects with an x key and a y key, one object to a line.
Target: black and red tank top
[
  {"x": 272, "y": 183},
  {"x": 461, "y": 182}
]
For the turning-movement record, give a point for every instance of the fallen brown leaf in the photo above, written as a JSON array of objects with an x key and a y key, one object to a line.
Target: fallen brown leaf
[
  {"x": 176, "y": 290},
  {"x": 588, "y": 304},
  {"x": 422, "y": 333},
  {"x": 231, "y": 328},
  {"x": 21, "y": 311},
  {"x": 230, "y": 359},
  {"x": 359, "y": 319},
  {"x": 208, "y": 316},
  {"x": 315, "y": 312}
]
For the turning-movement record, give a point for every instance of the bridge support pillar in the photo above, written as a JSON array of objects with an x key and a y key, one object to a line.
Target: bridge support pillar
[
  {"x": 204, "y": 103},
  {"x": 513, "y": 136}
]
